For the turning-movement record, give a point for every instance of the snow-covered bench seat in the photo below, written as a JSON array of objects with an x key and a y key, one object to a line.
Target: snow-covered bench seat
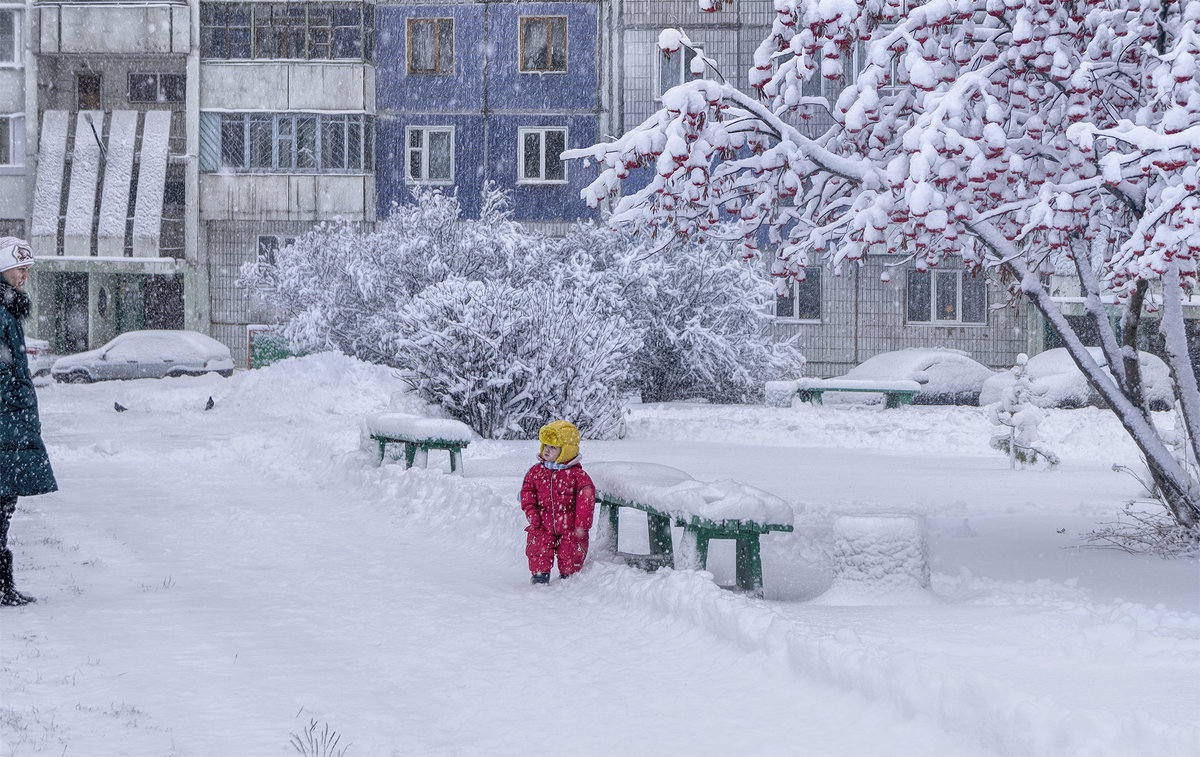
[
  {"x": 896, "y": 392},
  {"x": 418, "y": 435},
  {"x": 704, "y": 510}
]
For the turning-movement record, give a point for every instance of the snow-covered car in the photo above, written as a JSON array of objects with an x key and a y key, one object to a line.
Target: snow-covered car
[
  {"x": 947, "y": 377},
  {"x": 1055, "y": 381},
  {"x": 146, "y": 354},
  {"x": 40, "y": 359}
]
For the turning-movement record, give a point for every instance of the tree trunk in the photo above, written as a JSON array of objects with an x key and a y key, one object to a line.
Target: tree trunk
[{"x": 1179, "y": 493}]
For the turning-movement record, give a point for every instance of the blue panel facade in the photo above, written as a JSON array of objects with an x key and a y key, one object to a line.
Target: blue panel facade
[
  {"x": 512, "y": 89},
  {"x": 397, "y": 89},
  {"x": 540, "y": 201},
  {"x": 487, "y": 99}
]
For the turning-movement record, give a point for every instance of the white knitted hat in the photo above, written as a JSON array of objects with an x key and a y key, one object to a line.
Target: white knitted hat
[{"x": 14, "y": 253}]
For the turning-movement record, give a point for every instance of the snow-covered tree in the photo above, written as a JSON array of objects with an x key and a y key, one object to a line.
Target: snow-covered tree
[
  {"x": 1026, "y": 136},
  {"x": 702, "y": 313},
  {"x": 1019, "y": 419}
]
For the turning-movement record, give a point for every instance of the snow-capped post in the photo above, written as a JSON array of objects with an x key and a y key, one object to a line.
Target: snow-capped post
[
  {"x": 1027, "y": 136},
  {"x": 1019, "y": 420}
]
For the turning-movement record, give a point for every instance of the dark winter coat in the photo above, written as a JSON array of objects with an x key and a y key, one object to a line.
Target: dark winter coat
[
  {"x": 558, "y": 501},
  {"x": 24, "y": 466}
]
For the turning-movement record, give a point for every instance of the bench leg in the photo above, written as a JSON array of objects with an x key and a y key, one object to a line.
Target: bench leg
[
  {"x": 456, "y": 461},
  {"x": 410, "y": 452},
  {"x": 607, "y": 532},
  {"x": 891, "y": 401},
  {"x": 749, "y": 565},
  {"x": 693, "y": 550},
  {"x": 659, "y": 528},
  {"x": 382, "y": 451}
]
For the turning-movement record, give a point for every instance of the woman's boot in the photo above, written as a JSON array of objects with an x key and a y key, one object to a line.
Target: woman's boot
[{"x": 9, "y": 596}]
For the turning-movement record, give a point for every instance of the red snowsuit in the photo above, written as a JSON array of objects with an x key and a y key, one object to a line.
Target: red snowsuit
[{"x": 556, "y": 502}]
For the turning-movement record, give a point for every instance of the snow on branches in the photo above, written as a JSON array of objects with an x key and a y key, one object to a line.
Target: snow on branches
[{"x": 1028, "y": 137}]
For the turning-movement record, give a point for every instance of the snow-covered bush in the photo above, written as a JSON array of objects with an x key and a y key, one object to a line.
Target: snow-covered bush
[
  {"x": 1019, "y": 420},
  {"x": 505, "y": 328},
  {"x": 1026, "y": 137},
  {"x": 505, "y": 360},
  {"x": 703, "y": 314}
]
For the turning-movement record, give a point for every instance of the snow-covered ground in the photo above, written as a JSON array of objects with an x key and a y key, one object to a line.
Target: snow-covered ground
[{"x": 215, "y": 582}]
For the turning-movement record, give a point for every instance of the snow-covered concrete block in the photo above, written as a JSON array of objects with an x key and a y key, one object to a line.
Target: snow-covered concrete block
[
  {"x": 879, "y": 559},
  {"x": 779, "y": 393}
]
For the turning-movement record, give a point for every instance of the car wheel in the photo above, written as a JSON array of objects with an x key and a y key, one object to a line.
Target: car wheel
[
  {"x": 78, "y": 377},
  {"x": 225, "y": 374}
]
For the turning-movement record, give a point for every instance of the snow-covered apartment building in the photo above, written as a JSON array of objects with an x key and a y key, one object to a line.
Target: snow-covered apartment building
[{"x": 150, "y": 148}]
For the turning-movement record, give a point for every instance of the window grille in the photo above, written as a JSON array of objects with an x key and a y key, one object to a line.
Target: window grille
[
  {"x": 289, "y": 31},
  {"x": 286, "y": 142}
]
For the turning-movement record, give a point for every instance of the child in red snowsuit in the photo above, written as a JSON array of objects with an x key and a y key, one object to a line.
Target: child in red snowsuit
[{"x": 558, "y": 499}]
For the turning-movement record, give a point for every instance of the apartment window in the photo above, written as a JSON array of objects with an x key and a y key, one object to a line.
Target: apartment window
[
  {"x": 287, "y": 142},
  {"x": 10, "y": 36},
  {"x": 11, "y": 132},
  {"x": 269, "y": 245},
  {"x": 946, "y": 297},
  {"x": 675, "y": 68},
  {"x": 543, "y": 43},
  {"x": 430, "y": 45},
  {"x": 539, "y": 155},
  {"x": 289, "y": 31},
  {"x": 87, "y": 91},
  {"x": 803, "y": 299},
  {"x": 157, "y": 88},
  {"x": 430, "y": 154}
]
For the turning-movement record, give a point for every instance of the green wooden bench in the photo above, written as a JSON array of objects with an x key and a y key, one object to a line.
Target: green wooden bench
[
  {"x": 698, "y": 529},
  {"x": 896, "y": 393},
  {"x": 418, "y": 436}
]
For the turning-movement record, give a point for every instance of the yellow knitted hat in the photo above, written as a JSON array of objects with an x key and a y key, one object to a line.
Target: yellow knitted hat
[{"x": 561, "y": 434}]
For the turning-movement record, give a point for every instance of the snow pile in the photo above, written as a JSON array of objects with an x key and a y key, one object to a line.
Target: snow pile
[
  {"x": 674, "y": 492},
  {"x": 404, "y": 426},
  {"x": 879, "y": 559},
  {"x": 945, "y": 375}
]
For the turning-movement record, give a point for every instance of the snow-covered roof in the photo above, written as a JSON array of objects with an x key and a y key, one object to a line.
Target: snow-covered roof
[
  {"x": 405, "y": 426},
  {"x": 676, "y": 493}
]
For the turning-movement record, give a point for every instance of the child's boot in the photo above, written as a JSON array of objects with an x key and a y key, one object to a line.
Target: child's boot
[{"x": 540, "y": 578}]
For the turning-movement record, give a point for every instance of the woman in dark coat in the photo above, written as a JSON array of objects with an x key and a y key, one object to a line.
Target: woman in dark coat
[{"x": 24, "y": 466}]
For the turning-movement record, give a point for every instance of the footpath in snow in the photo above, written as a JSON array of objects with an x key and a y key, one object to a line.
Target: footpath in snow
[{"x": 215, "y": 582}]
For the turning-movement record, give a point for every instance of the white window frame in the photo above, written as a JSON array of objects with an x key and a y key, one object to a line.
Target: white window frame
[
  {"x": 18, "y": 21},
  {"x": 524, "y": 130},
  {"x": 813, "y": 277},
  {"x": 934, "y": 303},
  {"x": 15, "y": 140},
  {"x": 423, "y": 149}
]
